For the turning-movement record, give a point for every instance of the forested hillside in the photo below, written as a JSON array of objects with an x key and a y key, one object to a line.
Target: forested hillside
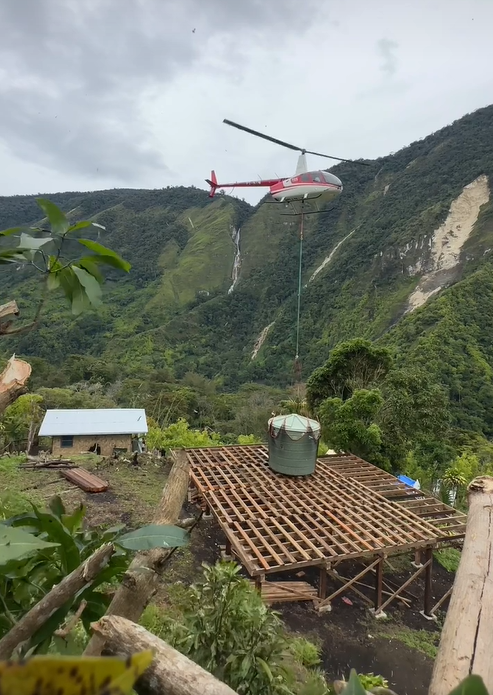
[{"x": 401, "y": 257}]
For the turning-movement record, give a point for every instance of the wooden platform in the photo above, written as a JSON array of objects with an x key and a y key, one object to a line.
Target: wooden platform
[
  {"x": 283, "y": 592},
  {"x": 420, "y": 502},
  {"x": 85, "y": 480},
  {"x": 346, "y": 509}
]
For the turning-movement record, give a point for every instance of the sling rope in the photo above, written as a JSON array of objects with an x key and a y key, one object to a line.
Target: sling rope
[{"x": 298, "y": 316}]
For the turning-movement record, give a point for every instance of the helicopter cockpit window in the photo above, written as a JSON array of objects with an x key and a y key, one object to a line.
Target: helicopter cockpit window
[
  {"x": 305, "y": 178},
  {"x": 317, "y": 177},
  {"x": 330, "y": 178}
]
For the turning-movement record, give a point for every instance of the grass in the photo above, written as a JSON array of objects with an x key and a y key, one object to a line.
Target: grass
[
  {"x": 449, "y": 558},
  {"x": 207, "y": 260},
  {"x": 14, "y": 497},
  {"x": 423, "y": 641},
  {"x": 132, "y": 497}
]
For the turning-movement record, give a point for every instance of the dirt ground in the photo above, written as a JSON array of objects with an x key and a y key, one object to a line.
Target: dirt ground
[{"x": 400, "y": 648}]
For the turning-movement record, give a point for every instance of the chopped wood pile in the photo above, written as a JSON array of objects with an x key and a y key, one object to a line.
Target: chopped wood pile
[
  {"x": 52, "y": 464},
  {"x": 70, "y": 471}
]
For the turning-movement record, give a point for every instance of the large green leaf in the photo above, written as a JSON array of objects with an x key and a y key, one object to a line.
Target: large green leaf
[
  {"x": 53, "y": 281},
  {"x": 354, "y": 686},
  {"x": 12, "y": 230},
  {"x": 472, "y": 685},
  {"x": 105, "y": 255},
  {"x": 16, "y": 543},
  {"x": 73, "y": 521},
  {"x": 87, "y": 262},
  {"x": 154, "y": 536},
  {"x": 57, "y": 507},
  {"x": 32, "y": 243},
  {"x": 55, "y": 530},
  {"x": 90, "y": 284},
  {"x": 12, "y": 256},
  {"x": 84, "y": 225},
  {"x": 58, "y": 221}
]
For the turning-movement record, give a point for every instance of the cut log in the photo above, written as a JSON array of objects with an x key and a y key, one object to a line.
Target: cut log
[
  {"x": 465, "y": 645},
  {"x": 141, "y": 580},
  {"x": 8, "y": 312},
  {"x": 170, "y": 672},
  {"x": 30, "y": 623},
  {"x": 13, "y": 381}
]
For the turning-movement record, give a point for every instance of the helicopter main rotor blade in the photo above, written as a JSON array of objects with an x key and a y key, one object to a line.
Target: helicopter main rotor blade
[
  {"x": 288, "y": 145},
  {"x": 261, "y": 135},
  {"x": 339, "y": 159}
]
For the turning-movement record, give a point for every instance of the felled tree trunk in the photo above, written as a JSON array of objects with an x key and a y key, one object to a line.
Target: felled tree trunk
[
  {"x": 142, "y": 577},
  {"x": 170, "y": 672},
  {"x": 13, "y": 381},
  {"x": 8, "y": 312},
  {"x": 465, "y": 646}
]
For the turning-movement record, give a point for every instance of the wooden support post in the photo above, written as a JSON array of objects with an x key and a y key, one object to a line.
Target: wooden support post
[
  {"x": 378, "y": 584},
  {"x": 349, "y": 583},
  {"x": 465, "y": 645},
  {"x": 417, "y": 558},
  {"x": 228, "y": 547},
  {"x": 322, "y": 586},
  {"x": 428, "y": 602},
  {"x": 258, "y": 582},
  {"x": 441, "y": 601},
  {"x": 404, "y": 586}
]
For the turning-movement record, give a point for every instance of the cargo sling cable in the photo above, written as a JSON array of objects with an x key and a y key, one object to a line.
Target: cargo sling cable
[{"x": 297, "y": 363}]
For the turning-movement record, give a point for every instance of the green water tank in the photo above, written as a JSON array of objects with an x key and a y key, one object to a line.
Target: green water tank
[{"x": 293, "y": 444}]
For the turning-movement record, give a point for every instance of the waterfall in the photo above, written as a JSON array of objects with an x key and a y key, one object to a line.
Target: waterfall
[{"x": 235, "y": 235}]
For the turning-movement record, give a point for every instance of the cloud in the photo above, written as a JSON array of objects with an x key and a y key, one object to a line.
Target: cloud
[
  {"x": 74, "y": 72},
  {"x": 386, "y": 48}
]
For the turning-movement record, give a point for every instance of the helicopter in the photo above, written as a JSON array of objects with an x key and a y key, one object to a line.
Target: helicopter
[{"x": 303, "y": 186}]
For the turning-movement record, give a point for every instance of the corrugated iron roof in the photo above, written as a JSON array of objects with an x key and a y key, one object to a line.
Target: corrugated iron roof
[{"x": 88, "y": 421}]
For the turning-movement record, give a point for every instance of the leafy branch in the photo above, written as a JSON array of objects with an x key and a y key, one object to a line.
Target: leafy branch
[{"x": 55, "y": 253}]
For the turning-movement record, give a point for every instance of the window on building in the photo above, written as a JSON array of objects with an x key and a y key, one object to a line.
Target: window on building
[{"x": 67, "y": 441}]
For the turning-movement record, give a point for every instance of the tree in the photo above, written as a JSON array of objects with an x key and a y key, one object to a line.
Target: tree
[
  {"x": 355, "y": 364},
  {"x": 350, "y": 425},
  {"x": 414, "y": 407},
  {"x": 22, "y": 419},
  {"x": 368, "y": 407},
  {"x": 66, "y": 262}
]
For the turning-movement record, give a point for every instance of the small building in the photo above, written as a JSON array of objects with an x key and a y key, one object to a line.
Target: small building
[{"x": 77, "y": 431}]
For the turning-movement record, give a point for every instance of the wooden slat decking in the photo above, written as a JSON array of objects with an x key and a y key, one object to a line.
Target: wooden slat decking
[{"x": 346, "y": 509}]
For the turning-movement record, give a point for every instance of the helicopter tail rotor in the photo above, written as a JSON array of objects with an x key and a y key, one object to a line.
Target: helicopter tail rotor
[{"x": 212, "y": 183}]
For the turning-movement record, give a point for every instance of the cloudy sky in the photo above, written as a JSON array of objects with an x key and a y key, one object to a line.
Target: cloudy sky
[{"x": 109, "y": 93}]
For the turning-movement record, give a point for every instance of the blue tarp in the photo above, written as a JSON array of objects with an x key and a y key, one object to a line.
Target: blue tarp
[{"x": 409, "y": 481}]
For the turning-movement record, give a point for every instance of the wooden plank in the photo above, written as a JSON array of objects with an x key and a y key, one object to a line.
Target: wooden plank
[{"x": 85, "y": 480}]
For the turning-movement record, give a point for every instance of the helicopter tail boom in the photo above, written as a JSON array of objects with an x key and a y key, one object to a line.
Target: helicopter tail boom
[{"x": 267, "y": 183}]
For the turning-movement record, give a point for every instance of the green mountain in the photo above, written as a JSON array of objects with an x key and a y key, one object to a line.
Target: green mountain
[{"x": 402, "y": 256}]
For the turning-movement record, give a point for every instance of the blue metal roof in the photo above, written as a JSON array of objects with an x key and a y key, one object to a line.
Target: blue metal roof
[{"x": 57, "y": 423}]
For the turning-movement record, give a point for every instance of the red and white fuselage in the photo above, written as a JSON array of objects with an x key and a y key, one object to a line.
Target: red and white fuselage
[{"x": 306, "y": 185}]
